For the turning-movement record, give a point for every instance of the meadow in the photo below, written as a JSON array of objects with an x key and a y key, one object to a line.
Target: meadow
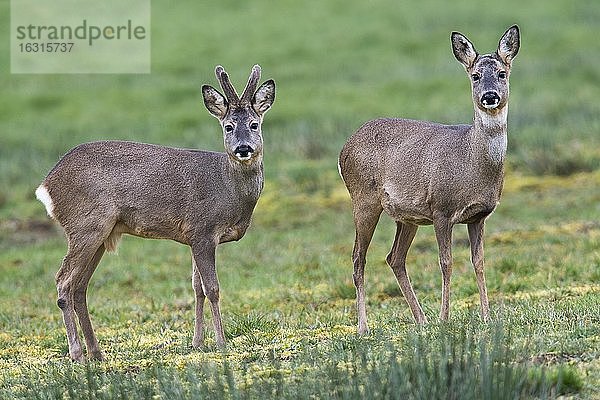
[{"x": 286, "y": 287}]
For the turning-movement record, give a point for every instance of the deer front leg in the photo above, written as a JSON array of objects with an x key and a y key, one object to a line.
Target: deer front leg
[
  {"x": 204, "y": 257},
  {"x": 476, "y": 239},
  {"x": 443, "y": 234},
  {"x": 198, "y": 340}
]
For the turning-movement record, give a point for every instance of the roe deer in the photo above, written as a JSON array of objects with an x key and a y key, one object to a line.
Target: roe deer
[
  {"x": 101, "y": 190},
  {"x": 423, "y": 173}
]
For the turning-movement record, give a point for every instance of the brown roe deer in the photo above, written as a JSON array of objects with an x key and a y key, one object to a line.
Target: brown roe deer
[
  {"x": 423, "y": 173},
  {"x": 101, "y": 190}
]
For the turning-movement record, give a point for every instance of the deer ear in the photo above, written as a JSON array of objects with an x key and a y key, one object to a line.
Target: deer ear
[
  {"x": 214, "y": 101},
  {"x": 509, "y": 44},
  {"x": 264, "y": 97},
  {"x": 463, "y": 49}
]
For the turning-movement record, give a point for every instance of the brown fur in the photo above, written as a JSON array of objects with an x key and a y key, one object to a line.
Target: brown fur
[
  {"x": 423, "y": 173},
  {"x": 101, "y": 190}
]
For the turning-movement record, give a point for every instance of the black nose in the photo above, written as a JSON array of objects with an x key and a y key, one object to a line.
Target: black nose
[
  {"x": 243, "y": 150},
  {"x": 490, "y": 99}
]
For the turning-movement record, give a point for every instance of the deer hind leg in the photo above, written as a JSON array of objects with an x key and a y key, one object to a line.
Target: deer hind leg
[
  {"x": 476, "y": 239},
  {"x": 396, "y": 259},
  {"x": 366, "y": 217},
  {"x": 72, "y": 273},
  {"x": 204, "y": 257},
  {"x": 80, "y": 306},
  {"x": 198, "y": 340},
  {"x": 443, "y": 234}
]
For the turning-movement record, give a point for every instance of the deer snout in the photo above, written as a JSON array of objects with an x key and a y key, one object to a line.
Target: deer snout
[
  {"x": 490, "y": 100},
  {"x": 243, "y": 152}
]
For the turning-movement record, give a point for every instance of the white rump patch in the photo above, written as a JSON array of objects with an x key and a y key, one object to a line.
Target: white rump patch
[
  {"x": 497, "y": 148},
  {"x": 340, "y": 171},
  {"x": 43, "y": 195}
]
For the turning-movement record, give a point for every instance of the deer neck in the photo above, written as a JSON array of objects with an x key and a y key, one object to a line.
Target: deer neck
[
  {"x": 247, "y": 177},
  {"x": 489, "y": 134}
]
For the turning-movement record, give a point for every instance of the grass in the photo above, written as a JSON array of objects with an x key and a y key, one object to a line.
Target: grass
[
  {"x": 434, "y": 365},
  {"x": 288, "y": 303}
]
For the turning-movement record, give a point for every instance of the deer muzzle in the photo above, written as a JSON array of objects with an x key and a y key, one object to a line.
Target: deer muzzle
[
  {"x": 490, "y": 100},
  {"x": 243, "y": 152}
]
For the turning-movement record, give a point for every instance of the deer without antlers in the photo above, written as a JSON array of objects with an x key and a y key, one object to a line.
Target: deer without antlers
[
  {"x": 101, "y": 190},
  {"x": 423, "y": 173}
]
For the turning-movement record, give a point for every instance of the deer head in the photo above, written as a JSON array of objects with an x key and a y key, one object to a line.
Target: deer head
[
  {"x": 240, "y": 116},
  {"x": 489, "y": 73}
]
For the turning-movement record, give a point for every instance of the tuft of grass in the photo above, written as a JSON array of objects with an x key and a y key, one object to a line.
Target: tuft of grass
[
  {"x": 344, "y": 290},
  {"x": 554, "y": 382},
  {"x": 392, "y": 290},
  {"x": 248, "y": 324}
]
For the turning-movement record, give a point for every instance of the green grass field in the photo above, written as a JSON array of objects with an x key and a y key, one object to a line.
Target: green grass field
[{"x": 286, "y": 287}]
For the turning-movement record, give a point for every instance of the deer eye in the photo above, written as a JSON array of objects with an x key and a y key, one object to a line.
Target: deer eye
[
  {"x": 254, "y": 126},
  {"x": 502, "y": 74},
  {"x": 475, "y": 77},
  {"x": 228, "y": 128}
]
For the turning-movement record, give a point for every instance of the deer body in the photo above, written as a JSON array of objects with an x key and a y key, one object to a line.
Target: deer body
[
  {"x": 178, "y": 194},
  {"x": 457, "y": 174},
  {"x": 423, "y": 173},
  {"x": 101, "y": 190}
]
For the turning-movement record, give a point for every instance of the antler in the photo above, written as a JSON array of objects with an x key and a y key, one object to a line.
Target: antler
[
  {"x": 251, "y": 85},
  {"x": 226, "y": 85}
]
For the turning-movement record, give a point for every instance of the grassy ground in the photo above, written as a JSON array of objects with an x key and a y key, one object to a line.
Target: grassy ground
[{"x": 287, "y": 293}]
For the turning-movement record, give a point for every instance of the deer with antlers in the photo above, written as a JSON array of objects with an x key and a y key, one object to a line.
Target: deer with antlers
[{"x": 101, "y": 190}]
